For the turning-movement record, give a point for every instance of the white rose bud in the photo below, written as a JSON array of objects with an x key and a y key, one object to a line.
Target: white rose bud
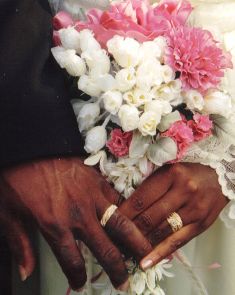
[
  {"x": 60, "y": 54},
  {"x": 95, "y": 139},
  {"x": 112, "y": 101},
  {"x": 148, "y": 123},
  {"x": 75, "y": 65},
  {"x": 158, "y": 106},
  {"x": 88, "y": 42},
  {"x": 106, "y": 82},
  {"x": 126, "y": 52},
  {"x": 194, "y": 100},
  {"x": 89, "y": 86},
  {"x": 97, "y": 61},
  {"x": 125, "y": 79},
  {"x": 217, "y": 102},
  {"x": 175, "y": 86},
  {"x": 70, "y": 38},
  {"x": 161, "y": 43},
  {"x": 87, "y": 116},
  {"x": 129, "y": 117},
  {"x": 142, "y": 96},
  {"x": 168, "y": 74}
]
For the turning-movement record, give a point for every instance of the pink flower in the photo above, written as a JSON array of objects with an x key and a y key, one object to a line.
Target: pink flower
[
  {"x": 136, "y": 19},
  {"x": 62, "y": 20},
  {"x": 119, "y": 143},
  {"x": 182, "y": 134},
  {"x": 196, "y": 56},
  {"x": 201, "y": 126}
]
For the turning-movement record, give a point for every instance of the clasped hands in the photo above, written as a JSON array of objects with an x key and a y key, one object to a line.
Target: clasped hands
[{"x": 67, "y": 199}]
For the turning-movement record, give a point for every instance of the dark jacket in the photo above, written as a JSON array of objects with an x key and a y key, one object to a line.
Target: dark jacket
[{"x": 36, "y": 117}]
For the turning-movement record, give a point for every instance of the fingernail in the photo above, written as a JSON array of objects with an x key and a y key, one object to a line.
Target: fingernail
[
  {"x": 23, "y": 273},
  {"x": 145, "y": 264},
  {"x": 124, "y": 287}
]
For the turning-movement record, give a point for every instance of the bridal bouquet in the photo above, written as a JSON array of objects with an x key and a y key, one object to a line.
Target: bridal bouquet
[{"x": 155, "y": 90}]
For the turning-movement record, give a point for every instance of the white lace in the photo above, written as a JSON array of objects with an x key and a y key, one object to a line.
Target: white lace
[{"x": 221, "y": 157}]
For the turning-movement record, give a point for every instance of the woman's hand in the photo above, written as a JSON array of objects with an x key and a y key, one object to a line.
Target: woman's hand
[
  {"x": 191, "y": 190},
  {"x": 67, "y": 198}
]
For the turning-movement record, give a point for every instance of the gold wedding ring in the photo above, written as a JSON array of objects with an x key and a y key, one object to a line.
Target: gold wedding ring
[
  {"x": 108, "y": 214},
  {"x": 175, "y": 221}
]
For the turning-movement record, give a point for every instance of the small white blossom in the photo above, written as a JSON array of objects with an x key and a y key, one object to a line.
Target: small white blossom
[
  {"x": 129, "y": 117},
  {"x": 87, "y": 116},
  {"x": 162, "y": 44},
  {"x": 70, "y": 38},
  {"x": 125, "y": 79},
  {"x": 97, "y": 61},
  {"x": 106, "y": 82},
  {"x": 88, "y": 42},
  {"x": 89, "y": 86},
  {"x": 95, "y": 139},
  {"x": 217, "y": 102},
  {"x": 112, "y": 101},
  {"x": 137, "y": 97},
  {"x": 138, "y": 282},
  {"x": 126, "y": 51},
  {"x": 67, "y": 59},
  {"x": 148, "y": 123}
]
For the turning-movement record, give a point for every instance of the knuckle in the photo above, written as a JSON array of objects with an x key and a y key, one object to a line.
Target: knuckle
[
  {"x": 144, "y": 222},
  {"x": 123, "y": 225},
  {"x": 137, "y": 202},
  {"x": 174, "y": 244},
  {"x": 112, "y": 255},
  {"x": 178, "y": 170},
  {"x": 192, "y": 186}
]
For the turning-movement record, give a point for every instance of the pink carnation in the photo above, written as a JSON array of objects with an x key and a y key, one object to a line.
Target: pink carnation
[
  {"x": 196, "y": 56},
  {"x": 136, "y": 19},
  {"x": 182, "y": 134},
  {"x": 201, "y": 126},
  {"x": 62, "y": 20},
  {"x": 119, "y": 143}
]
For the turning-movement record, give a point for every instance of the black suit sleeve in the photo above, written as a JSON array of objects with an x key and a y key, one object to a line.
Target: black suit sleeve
[{"x": 36, "y": 117}]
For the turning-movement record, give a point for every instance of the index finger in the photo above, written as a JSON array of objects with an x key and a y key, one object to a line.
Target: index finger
[{"x": 151, "y": 190}]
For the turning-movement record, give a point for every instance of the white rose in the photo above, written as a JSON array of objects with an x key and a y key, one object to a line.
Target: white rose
[
  {"x": 126, "y": 51},
  {"x": 194, "y": 100},
  {"x": 97, "y": 61},
  {"x": 95, "y": 139},
  {"x": 70, "y": 38},
  {"x": 168, "y": 74},
  {"x": 89, "y": 86},
  {"x": 87, "y": 116},
  {"x": 151, "y": 49},
  {"x": 125, "y": 79},
  {"x": 112, "y": 101},
  {"x": 158, "y": 106},
  {"x": 149, "y": 74},
  {"x": 88, "y": 42},
  {"x": 129, "y": 117},
  {"x": 148, "y": 123},
  {"x": 217, "y": 102}
]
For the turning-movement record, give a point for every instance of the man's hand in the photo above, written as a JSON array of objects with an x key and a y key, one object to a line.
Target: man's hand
[
  {"x": 67, "y": 198},
  {"x": 191, "y": 190}
]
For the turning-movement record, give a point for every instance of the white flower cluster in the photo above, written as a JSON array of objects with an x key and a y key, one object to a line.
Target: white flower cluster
[{"x": 136, "y": 89}]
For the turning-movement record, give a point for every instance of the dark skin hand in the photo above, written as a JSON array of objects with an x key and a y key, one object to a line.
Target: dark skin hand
[
  {"x": 66, "y": 199},
  {"x": 191, "y": 190}
]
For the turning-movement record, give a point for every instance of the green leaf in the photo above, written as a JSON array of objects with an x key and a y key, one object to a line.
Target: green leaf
[{"x": 168, "y": 120}]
